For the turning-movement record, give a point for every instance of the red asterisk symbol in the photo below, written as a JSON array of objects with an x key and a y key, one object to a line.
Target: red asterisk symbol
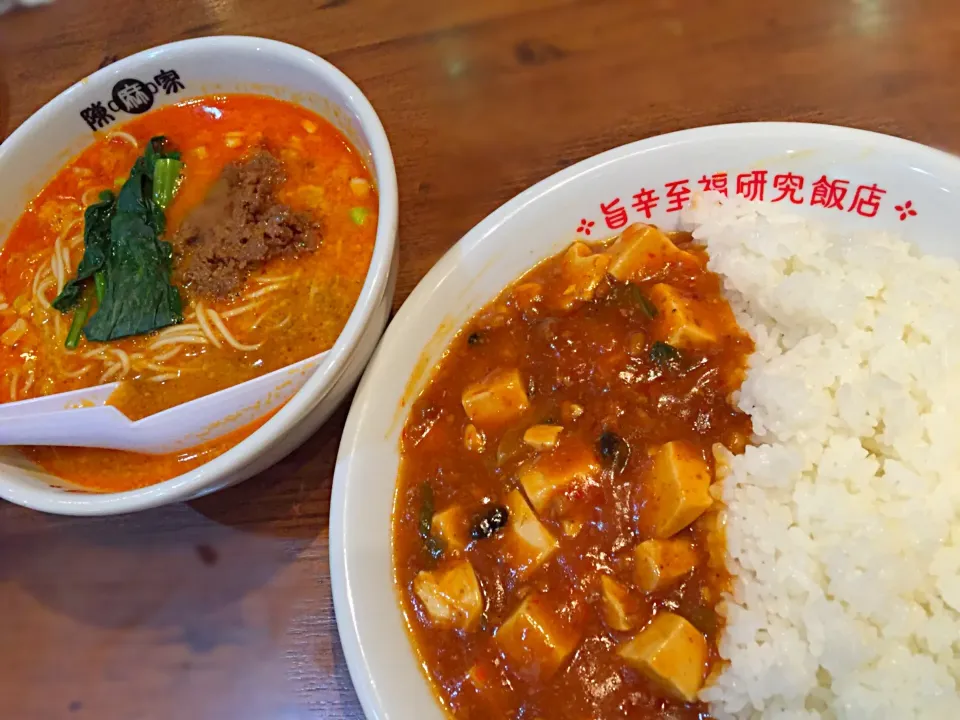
[
  {"x": 906, "y": 210},
  {"x": 585, "y": 226}
]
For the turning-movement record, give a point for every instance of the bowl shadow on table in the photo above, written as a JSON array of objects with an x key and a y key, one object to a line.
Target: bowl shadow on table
[{"x": 186, "y": 571}]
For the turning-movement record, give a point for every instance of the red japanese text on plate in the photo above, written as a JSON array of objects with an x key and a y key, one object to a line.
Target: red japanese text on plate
[{"x": 830, "y": 193}]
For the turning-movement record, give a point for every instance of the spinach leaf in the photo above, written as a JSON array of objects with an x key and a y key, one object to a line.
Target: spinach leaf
[
  {"x": 138, "y": 297},
  {"x": 136, "y": 195},
  {"x": 124, "y": 257},
  {"x": 96, "y": 242},
  {"x": 166, "y": 180}
]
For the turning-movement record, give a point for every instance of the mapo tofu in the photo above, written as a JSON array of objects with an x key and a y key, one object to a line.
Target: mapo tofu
[{"x": 557, "y": 523}]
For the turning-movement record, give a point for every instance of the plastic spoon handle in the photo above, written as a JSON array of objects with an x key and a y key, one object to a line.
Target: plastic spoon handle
[{"x": 57, "y": 419}]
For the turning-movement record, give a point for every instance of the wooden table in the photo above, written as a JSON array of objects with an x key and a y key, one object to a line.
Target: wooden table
[{"x": 221, "y": 608}]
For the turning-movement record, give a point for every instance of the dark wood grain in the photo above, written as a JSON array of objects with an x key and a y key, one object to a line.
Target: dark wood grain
[{"x": 221, "y": 608}]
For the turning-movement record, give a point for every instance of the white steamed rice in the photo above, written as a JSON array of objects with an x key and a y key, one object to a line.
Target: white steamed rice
[{"x": 843, "y": 522}]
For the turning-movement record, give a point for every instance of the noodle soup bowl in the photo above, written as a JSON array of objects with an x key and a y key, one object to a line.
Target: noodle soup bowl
[
  {"x": 175, "y": 73},
  {"x": 849, "y": 179}
]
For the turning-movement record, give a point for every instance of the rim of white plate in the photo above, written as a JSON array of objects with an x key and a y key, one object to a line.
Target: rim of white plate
[{"x": 375, "y": 284}]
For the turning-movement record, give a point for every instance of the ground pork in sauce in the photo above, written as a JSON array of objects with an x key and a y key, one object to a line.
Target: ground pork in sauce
[{"x": 239, "y": 226}]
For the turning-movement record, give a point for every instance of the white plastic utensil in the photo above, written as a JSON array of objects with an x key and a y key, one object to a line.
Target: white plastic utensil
[{"x": 82, "y": 418}]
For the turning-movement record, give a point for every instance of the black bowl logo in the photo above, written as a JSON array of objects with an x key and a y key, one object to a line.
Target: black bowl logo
[{"x": 131, "y": 96}]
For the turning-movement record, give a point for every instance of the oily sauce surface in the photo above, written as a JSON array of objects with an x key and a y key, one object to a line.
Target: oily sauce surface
[{"x": 595, "y": 356}]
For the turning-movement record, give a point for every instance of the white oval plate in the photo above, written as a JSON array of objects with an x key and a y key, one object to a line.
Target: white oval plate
[{"x": 848, "y": 178}]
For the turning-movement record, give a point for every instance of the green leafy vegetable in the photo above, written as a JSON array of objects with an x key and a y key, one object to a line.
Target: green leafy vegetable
[
  {"x": 664, "y": 355},
  {"x": 76, "y": 325},
  {"x": 96, "y": 242},
  {"x": 138, "y": 297},
  {"x": 124, "y": 257},
  {"x": 433, "y": 545},
  {"x": 100, "y": 283},
  {"x": 359, "y": 215},
  {"x": 166, "y": 180}
]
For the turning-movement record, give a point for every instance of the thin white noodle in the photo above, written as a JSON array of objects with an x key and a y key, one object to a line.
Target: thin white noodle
[
  {"x": 65, "y": 258},
  {"x": 123, "y": 358},
  {"x": 241, "y": 310},
  {"x": 14, "y": 376},
  {"x": 75, "y": 240},
  {"x": 42, "y": 294},
  {"x": 29, "y": 383},
  {"x": 56, "y": 325},
  {"x": 178, "y": 329},
  {"x": 177, "y": 338},
  {"x": 71, "y": 200},
  {"x": 56, "y": 266},
  {"x": 185, "y": 340},
  {"x": 99, "y": 352},
  {"x": 205, "y": 325},
  {"x": 38, "y": 276},
  {"x": 4, "y": 306},
  {"x": 282, "y": 323},
  {"x": 259, "y": 319},
  {"x": 77, "y": 373},
  {"x": 163, "y": 357},
  {"x": 264, "y": 290},
  {"x": 110, "y": 372},
  {"x": 69, "y": 227},
  {"x": 269, "y": 280},
  {"x": 156, "y": 367},
  {"x": 212, "y": 314},
  {"x": 126, "y": 137},
  {"x": 165, "y": 377}
]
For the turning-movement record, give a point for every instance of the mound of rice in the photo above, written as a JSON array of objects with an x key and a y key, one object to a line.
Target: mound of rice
[{"x": 843, "y": 522}]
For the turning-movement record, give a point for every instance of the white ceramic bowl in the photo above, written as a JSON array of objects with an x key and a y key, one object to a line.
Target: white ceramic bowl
[
  {"x": 31, "y": 156},
  {"x": 920, "y": 194}
]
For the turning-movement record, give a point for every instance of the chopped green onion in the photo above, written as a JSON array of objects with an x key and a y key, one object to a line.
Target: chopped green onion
[
  {"x": 100, "y": 284},
  {"x": 76, "y": 325},
  {"x": 166, "y": 180},
  {"x": 359, "y": 215}
]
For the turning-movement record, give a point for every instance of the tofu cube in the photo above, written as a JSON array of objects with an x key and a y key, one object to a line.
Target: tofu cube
[
  {"x": 676, "y": 490},
  {"x": 620, "y": 610},
  {"x": 581, "y": 273},
  {"x": 497, "y": 399},
  {"x": 452, "y": 526},
  {"x": 572, "y": 462},
  {"x": 527, "y": 544},
  {"x": 671, "y": 653},
  {"x": 535, "y": 639},
  {"x": 452, "y": 596},
  {"x": 542, "y": 437},
  {"x": 659, "y": 563},
  {"x": 681, "y": 321},
  {"x": 641, "y": 252}
]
